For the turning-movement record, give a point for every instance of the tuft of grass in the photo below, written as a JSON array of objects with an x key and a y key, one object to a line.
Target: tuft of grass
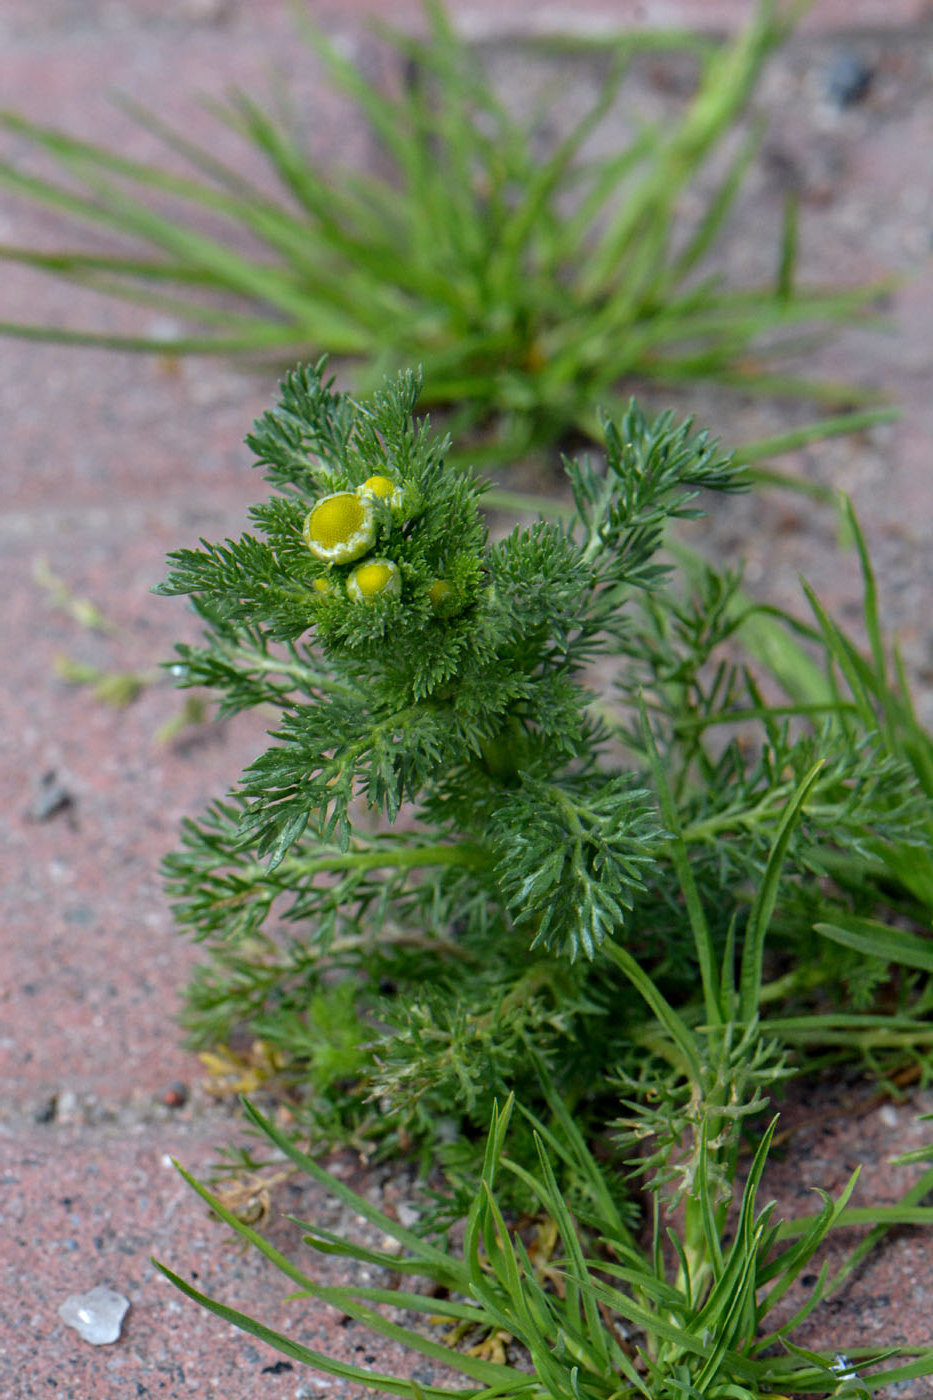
[
  {"x": 528, "y": 288},
  {"x": 694, "y": 1309},
  {"x": 866, "y": 688}
]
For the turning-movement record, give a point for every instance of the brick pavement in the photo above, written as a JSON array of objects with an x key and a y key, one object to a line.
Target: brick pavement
[{"x": 109, "y": 462}]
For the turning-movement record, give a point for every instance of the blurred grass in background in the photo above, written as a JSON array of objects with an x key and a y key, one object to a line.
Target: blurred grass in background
[{"x": 530, "y": 289}]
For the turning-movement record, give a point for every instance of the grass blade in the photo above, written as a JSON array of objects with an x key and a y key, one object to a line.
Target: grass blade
[
  {"x": 878, "y": 940},
  {"x": 436, "y": 1261},
  {"x": 787, "y": 261},
  {"x": 760, "y": 916},
  {"x": 719, "y": 207},
  {"x": 673, "y": 1024},
  {"x": 373, "y": 1380}
]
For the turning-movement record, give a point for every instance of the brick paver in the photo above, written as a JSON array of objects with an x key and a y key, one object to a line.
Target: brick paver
[{"x": 86, "y": 1206}]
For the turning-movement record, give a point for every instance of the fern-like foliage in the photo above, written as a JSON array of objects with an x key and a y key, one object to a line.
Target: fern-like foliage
[{"x": 514, "y": 831}]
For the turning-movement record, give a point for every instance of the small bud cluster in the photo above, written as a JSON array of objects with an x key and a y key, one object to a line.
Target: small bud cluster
[{"x": 342, "y": 528}]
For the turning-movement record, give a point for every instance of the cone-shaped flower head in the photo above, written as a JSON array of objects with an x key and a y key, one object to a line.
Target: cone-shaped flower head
[
  {"x": 341, "y": 527},
  {"x": 441, "y": 595},
  {"x": 384, "y": 488},
  {"x": 377, "y": 578}
]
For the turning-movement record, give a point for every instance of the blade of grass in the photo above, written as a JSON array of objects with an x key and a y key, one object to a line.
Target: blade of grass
[
  {"x": 258, "y": 339},
  {"x": 719, "y": 206},
  {"x": 489, "y": 1373},
  {"x": 291, "y": 237},
  {"x": 918, "y": 1192},
  {"x": 787, "y": 260},
  {"x": 435, "y": 1260},
  {"x": 668, "y": 1017},
  {"x": 210, "y": 256},
  {"x": 723, "y": 91},
  {"x": 373, "y": 1380},
  {"x": 78, "y": 265},
  {"x": 574, "y": 1152},
  {"x": 544, "y": 181},
  {"x": 878, "y": 940},
  {"x": 718, "y": 367},
  {"x": 854, "y": 669},
  {"x": 601, "y": 181},
  {"x": 765, "y": 900},
  {"x": 869, "y": 591},
  {"x": 786, "y": 1266},
  {"x": 839, "y": 426}
]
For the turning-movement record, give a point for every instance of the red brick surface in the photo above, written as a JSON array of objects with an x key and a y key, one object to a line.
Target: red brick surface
[
  {"x": 89, "y": 1206},
  {"x": 66, "y": 20},
  {"x": 108, "y": 462},
  {"x": 524, "y": 17}
]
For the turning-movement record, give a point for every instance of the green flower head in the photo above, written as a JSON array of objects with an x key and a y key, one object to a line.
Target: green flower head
[{"x": 341, "y": 527}]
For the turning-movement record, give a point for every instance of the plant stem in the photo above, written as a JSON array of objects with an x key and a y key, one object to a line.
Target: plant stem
[{"x": 402, "y": 857}]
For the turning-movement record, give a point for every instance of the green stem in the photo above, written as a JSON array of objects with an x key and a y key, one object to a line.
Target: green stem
[
  {"x": 760, "y": 816},
  {"x": 805, "y": 1031},
  {"x": 402, "y": 857},
  {"x": 799, "y": 979},
  {"x": 305, "y": 676},
  {"x": 594, "y": 544}
]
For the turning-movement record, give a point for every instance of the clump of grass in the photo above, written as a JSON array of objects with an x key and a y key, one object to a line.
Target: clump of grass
[
  {"x": 606, "y": 1317},
  {"x": 528, "y": 288}
]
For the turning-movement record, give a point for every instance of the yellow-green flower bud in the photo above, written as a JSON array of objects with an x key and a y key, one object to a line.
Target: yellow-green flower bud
[
  {"x": 377, "y": 578},
  {"x": 341, "y": 527},
  {"x": 441, "y": 594},
  {"x": 446, "y": 598},
  {"x": 382, "y": 488},
  {"x": 323, "y": 586}
]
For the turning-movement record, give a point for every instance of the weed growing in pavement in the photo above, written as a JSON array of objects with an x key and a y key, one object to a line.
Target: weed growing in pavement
[
  {"x": 529, "y": 288},
  {"x": 492, "y": 857},
  {"x": 542, "y": 711}
]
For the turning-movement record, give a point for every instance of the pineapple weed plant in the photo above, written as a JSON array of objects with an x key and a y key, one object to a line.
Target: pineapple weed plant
[
  {"x": 528, "y": 285},
  {"x": 495, "y": 894}
]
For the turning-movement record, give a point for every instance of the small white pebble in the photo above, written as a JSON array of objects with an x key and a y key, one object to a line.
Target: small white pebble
[
  {"x": 97, "y": 1316},
  {"x": 67, "y": 1106}
]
